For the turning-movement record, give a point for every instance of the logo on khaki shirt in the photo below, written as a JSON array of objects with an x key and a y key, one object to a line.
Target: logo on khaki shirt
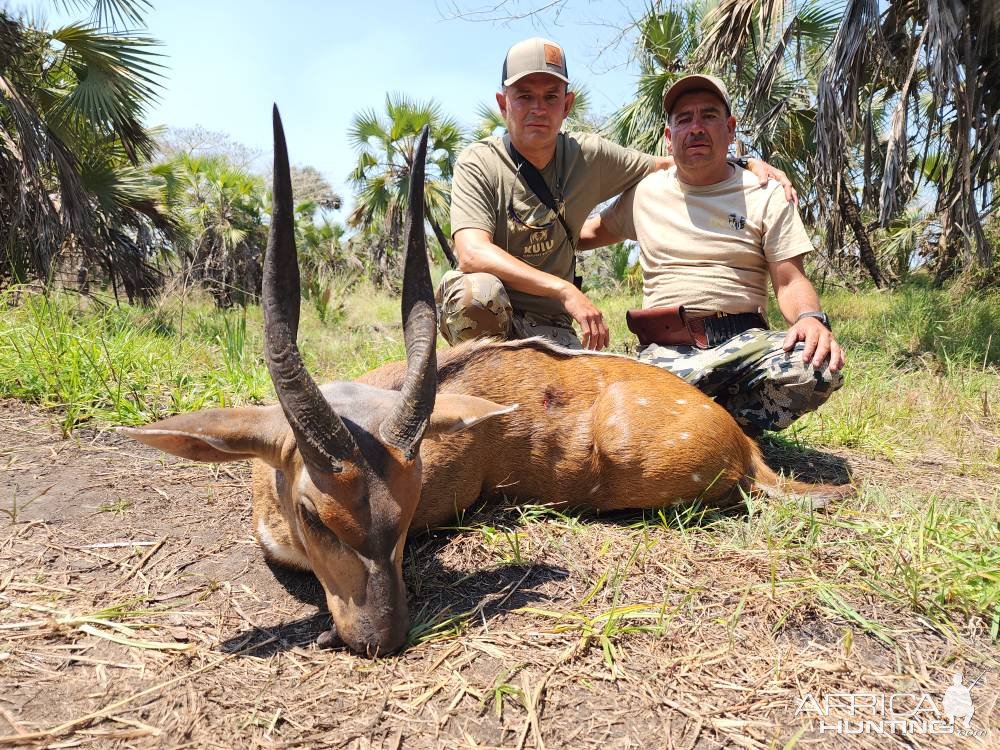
[
  {"x": 732, "y": 221},
  {"x": 538, "y": 244}
]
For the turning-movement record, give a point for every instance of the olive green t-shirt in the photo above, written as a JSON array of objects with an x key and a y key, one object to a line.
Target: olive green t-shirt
[
  {"x": 707, "y": 247},
  {"x": 488, "y": 194}
]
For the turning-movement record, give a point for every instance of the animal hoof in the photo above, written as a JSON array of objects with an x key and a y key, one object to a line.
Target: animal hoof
[{"x": 330, "y": 639}]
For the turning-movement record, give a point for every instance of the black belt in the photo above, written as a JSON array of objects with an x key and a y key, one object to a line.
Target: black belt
[{"x": 719, "y": 327}]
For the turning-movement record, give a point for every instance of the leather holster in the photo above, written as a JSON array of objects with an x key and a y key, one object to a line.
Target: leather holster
[
  {"x": 670, "y": 326},
  {"x": 660, "y": 325}
]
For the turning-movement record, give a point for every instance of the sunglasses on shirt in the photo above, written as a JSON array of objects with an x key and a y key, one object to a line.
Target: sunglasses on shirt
[{"x": 517, "y": 218}]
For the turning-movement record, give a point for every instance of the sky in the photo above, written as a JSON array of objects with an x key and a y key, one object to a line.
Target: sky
[{"x": 227, "y": 61}]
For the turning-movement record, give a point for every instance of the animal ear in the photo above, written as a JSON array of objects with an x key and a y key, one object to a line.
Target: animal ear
[
  {"x": 454, "y": 412},
  {"x": 218, "y": 435}
]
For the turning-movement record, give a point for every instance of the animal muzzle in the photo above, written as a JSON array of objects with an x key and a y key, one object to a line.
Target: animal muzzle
[{"x": 373, "y": 623}]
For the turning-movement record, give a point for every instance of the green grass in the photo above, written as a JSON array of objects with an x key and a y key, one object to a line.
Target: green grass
[
  {"x": 921, "y": 368},
  {"x": 872, "y": 566},
  {"x": 118, "y": 364}
]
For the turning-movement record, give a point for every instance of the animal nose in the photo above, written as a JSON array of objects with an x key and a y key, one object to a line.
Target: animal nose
[{"x": 384, "y": 642}]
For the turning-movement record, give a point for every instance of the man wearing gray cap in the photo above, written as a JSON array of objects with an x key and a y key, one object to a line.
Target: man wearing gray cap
[
  {"x": 709, "y": 239},
  {"x": 518, "y": 204}
]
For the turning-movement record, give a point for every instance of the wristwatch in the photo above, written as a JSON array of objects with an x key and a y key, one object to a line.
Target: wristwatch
[
  {"x": 819, "y": 315},
  {"x": 743, "y": 162}
]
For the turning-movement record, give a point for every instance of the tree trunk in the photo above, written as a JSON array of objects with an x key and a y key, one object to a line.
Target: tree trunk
[
  {"x": 849, "y": 210},
  {"x": 948, "y": 246},
  {"x": 442, "y": 240}
]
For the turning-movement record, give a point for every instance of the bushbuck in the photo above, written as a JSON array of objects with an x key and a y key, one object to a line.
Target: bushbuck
[{"x": 342, "y": 473}]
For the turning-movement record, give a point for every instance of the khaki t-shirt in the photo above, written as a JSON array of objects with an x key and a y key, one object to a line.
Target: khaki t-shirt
[
  {"x": 707, "y": 247},
  {"x": 585, "y": 171}
]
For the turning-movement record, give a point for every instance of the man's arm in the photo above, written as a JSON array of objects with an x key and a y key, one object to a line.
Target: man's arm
[
  {"x": 796, "y": 295},
  {"x": 597, "y": 233},
  {"x": 477, "y": 254}
]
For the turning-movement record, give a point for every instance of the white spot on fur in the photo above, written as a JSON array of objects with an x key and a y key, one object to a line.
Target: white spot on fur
[
  {"x": 685, "y": 435},
  {"x": 696, "y": 477},
  {"x": 618, "y": 417},
  {"x": 682, "y": 401},
  {"x": 278, "y": 552},
  {"x": 619, "y": 424},
  {"x": 642, "y": 400},
  {"x": 705, "y": 406},
  {"x": 594, "y": 489}
]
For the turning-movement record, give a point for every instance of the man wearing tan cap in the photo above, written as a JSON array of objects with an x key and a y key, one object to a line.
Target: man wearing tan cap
[
  {"x": 518, "y": 204},
  {"x": 709, "y": 239}
]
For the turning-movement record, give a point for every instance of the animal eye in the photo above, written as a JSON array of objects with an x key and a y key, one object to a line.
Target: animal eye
[{"x": 309, "y": 512}]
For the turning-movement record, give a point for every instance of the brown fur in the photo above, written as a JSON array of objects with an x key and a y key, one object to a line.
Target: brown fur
[{"x": 600, "y": 431}]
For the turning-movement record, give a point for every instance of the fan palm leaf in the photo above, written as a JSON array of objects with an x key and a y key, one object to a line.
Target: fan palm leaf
[
  {"x": 71, "y": 139},
  {"x": 386, "y": 146}
]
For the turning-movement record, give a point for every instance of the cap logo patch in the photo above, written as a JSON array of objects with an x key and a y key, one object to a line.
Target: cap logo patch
[{"x": 553, "y": 55}]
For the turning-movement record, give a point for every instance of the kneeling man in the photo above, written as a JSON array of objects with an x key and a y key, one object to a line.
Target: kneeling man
[{"x": 709, "y": 238}]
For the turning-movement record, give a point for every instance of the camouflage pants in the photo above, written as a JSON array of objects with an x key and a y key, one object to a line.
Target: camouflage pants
[
  {"x": 474, "y": 305},
  {"x": 761, "y": 385}
]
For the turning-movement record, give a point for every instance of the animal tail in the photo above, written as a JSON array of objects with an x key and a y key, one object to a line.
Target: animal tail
[{"x": 814, "y": 496}]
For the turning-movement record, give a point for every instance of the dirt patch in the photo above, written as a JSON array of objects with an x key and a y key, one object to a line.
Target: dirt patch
[{"x": 136, "y": 611}]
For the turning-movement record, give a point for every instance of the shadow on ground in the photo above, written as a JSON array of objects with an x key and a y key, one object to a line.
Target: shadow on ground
[
  {"x": 805, "y": 464},
  {"x": 438, "y": 594}
]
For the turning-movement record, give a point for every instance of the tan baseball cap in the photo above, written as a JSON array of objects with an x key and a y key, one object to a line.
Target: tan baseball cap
[
  {"x": 535, "y": 55},
  {"x": 696, "y": 82}
]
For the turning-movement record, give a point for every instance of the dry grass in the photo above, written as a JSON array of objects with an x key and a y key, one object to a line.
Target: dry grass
[{"x": 135, "y": 611}]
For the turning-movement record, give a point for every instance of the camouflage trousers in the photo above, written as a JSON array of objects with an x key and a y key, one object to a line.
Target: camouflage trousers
[
  {"x": 475, "y": 305},
  {"x": 759, "y": 383}
]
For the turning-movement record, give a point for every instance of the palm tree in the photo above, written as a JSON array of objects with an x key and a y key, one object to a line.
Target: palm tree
[
  {"x": 935, "y": 66},
  {"x": 71, "y": 139},
  {"x": 770, "y": 80},
  {"x": 664, "y": 50},
  {"x": 386, "y": 144},
  {"x": 327, "y": 269},
  {"x": 224, "y": 234}
]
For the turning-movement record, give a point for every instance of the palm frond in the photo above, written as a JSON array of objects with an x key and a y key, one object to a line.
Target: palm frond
[{"x": 112, "y": 13}]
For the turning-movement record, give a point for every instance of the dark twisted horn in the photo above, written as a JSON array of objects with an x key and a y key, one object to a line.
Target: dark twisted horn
[
  {"x": 405, "y": 426},
  {"x": 322, "y": 439}
]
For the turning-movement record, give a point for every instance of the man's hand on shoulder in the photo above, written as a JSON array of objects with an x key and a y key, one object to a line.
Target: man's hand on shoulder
[
  {"x": 765, "y": 172},
  {"x": 591, "y": 320},
  {"x": 819, "y": 343}
]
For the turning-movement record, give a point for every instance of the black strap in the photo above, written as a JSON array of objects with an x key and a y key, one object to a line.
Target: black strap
[{"x": 541, "y": 190}]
